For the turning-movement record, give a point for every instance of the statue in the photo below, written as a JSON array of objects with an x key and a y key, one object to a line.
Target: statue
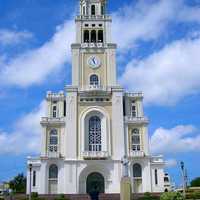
[{"x": 125, "y": 163}]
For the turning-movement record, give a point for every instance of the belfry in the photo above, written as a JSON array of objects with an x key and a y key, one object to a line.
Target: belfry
[{"x": 93, "y": 123}]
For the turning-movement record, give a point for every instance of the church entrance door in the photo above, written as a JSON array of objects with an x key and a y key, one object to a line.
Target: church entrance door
[{"x": 95, "y": 184}]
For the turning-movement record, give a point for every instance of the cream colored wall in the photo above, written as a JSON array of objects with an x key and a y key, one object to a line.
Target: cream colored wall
[{"x": 86, "y": 70}]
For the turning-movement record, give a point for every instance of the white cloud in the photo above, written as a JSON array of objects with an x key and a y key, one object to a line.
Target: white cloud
[
  {"x": 34, "y": 66},
  {"x": 171, "y": 163},
  {"x": 166, "y": 76},
  {"x": 176, "y": 140},
  {"x": 12, "y": 37},
  {"x": 26, "y": 135},
  {"x": 147, "y": 20},
  {"x": 143, "y": 21}
]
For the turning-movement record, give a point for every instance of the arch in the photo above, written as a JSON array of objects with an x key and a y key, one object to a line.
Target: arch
[
  {"x": 105, "y": 127},
  {"x": 93, "y": 10},
  {"x": 94, "y": 168},
  {"x": 95, "y": 183},
  {"x": 93, "y": 36},
  {"x": 94, "y": 134},
  {"x": 53, "y": 141},
  {"x": 137, "y": 178},
  {"x": 166, "y": 190},
  {"x": 53, "y": 171},
  {"x": 100, "y": 36},
  {"x": 53, "y": 179},
  {"x": 94, "y": 80},
  {"x": 86, "y": 36},
  {"x": 135, "y": 140},
  {"x": 137, "y": 171}
]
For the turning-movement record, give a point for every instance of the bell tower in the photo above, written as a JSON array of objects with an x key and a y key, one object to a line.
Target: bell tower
[{"x": 93, "y": 53}]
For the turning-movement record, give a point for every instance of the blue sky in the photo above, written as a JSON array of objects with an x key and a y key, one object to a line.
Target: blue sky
[{"x": 158, "y": 53}]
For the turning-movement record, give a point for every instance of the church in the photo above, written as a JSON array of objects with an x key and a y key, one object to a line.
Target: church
[{"x": 94, "y": 122}]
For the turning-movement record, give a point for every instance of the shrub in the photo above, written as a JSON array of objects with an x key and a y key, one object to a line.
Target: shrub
[
  {"x": 34, "y": 195},
  {"x": 171, "y": 196},
  {"x": 193, "y": 195}
]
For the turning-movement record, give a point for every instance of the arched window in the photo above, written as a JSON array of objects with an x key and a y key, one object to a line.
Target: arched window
[
  {"x": 86, "y": 36},
  {"x": 137, "y": 171},
  {"x": 93, "y": 36},
  {"x": 93, "y": 10},
  {"x": 94, "y": 133},
  {"x": 53, "y": 172},
  {"x": 53, "y": 179},
  {"x": 135, "y": 140},
  {"x": 100, "y": 36},
  {"x": 94, "y": 80},
  {"x": 53, "y": 141}
]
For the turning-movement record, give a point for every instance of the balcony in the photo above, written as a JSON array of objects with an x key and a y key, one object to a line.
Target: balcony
[
  {"x": 94, "y": 45},
  {"x": 52, "y": 121},
  {"x": 136, "y": 120},
  {"x": 136, "y": 154},
  {"x": 93, "y": 88},
  {"x": 53, "y": 151},
  {"x": 95, "y": 155},
  {"x": 92, "y": 17}
]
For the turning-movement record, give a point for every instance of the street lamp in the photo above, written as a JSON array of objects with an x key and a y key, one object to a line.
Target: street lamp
[
  {"x": 30, "y": 175},
  {"x": 183, "y": 176}
]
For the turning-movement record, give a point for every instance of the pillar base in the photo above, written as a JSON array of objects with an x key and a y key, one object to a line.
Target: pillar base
[{"x": 126, "y": 190}]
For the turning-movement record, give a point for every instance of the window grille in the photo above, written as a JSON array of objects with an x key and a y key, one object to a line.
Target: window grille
[
  {"x": 135, "y": 140},
  {"x": 95, "y": 134}
]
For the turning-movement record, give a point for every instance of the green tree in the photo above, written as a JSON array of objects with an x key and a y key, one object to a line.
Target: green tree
[
  {"x": 18, "y": 184},
  {"x": 195, "y": 182}
]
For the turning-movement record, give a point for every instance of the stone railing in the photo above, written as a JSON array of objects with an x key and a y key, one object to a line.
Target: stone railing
[
  {"x": 134, "y": 154},
  {"x": 52, "y": 120},
  {"x": 92, "y": 17},
  {"x": 94, "y": 45},
  {"x": 94, "y": 154},
  {"x": 134, "y": 94},
  {"x": 93, "y": 88},
  {"x": 130, "y": 119}
]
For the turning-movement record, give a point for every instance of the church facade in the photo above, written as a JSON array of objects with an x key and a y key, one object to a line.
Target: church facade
[{"x": 91, "y": 125}]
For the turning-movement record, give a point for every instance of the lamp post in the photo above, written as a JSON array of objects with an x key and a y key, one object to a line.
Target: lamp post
[
  {"x": 183, "y": 176},
  {"x": 30, "y": 176}
]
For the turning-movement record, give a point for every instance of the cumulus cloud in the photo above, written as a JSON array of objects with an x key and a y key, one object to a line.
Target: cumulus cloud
[
  {"x": 25, "y": 138},
  {"x": 176, "y": 140},
  {"x": 148, "y": 20},
  {"x": 168, "y": 75},
  {"x": 34, "y": 66},
  {"x": 13, "y": 37}
]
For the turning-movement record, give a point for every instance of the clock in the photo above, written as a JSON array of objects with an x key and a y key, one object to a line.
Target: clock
[{"x": 94, "y": 62}]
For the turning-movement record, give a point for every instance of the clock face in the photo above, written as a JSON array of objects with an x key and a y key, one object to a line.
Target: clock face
[{"x": 94, "y": 62}]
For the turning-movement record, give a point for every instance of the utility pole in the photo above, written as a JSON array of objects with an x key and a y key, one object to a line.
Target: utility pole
[
  {"x": 30, "y": 182},
  {"x": 183, "y": 177}
]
